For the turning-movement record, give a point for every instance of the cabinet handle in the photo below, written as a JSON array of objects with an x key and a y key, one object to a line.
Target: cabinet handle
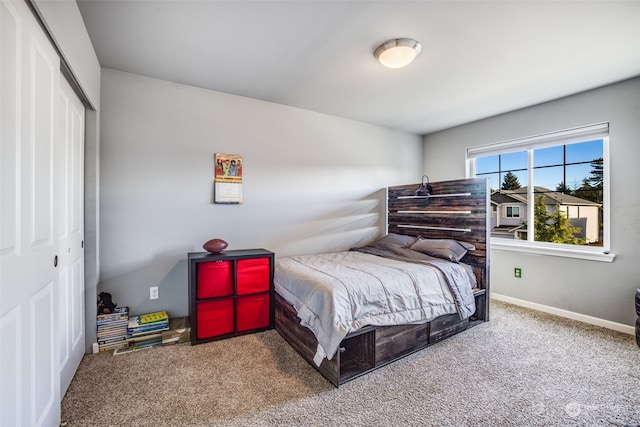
[{"x": 55, "y": 261}]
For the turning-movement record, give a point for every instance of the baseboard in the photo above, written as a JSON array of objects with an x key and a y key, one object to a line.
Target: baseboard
[{"x": 567, "y": 314}]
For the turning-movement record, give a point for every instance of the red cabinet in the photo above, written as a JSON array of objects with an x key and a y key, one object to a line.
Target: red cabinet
[
  {"x": 230, "y": 293},
  {"x": 214, "y": 279},
  {"x": 214, "y": 318},
  {"x": 253, "y": 312},
  {"x": 253, "y": 275}
]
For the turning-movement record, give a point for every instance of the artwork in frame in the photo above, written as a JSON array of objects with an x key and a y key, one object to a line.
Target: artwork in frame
[{"x": 228, "y": 178}]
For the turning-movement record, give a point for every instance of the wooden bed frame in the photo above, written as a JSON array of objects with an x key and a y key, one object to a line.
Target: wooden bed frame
[{"x": 457, "y": 210}]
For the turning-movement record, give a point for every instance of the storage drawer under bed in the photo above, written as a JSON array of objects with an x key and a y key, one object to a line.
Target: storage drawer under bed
[
  {"x": 445, "y": 326},
  {"x": 396, "y": 341}
]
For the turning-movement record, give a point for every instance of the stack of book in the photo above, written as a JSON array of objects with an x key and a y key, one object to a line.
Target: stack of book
[
  {"x": 112, "y": 329},
  {"x": 145, "y": 330}
]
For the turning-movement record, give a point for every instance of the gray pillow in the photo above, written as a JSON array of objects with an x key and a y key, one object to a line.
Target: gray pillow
[
  {"x": 451, "y": 250},
  {"x": 399, "y": 239}
]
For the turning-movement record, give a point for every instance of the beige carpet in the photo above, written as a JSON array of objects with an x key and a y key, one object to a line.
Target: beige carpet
[{"x": 522, "y": 368}]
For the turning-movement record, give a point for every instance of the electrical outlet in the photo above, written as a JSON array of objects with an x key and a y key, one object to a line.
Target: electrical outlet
[
  {"x": 517, "y": 272},
  {"x": 153, "y": 292}
]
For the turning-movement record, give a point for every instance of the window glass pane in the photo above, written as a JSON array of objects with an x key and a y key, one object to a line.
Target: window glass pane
[
  {"x": 513, "y": 161},
  {"x": 549, "y": 177},
  {"x": 494, "y": 180},
  {"x": 569, "y": 214},
  {"x": 513, "y": 211},
  {"x": 588, "y": 189},
  {"x": 576, "y": 174},
  {"x": 584, "y": 151},
  {"x": 548, "y": 156},
  {"x": 487, "y": 164},
  {"x": 520, "y": 175}
]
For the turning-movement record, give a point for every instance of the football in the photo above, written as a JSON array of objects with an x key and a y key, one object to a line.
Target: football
[{"x": 215, "y": 245}]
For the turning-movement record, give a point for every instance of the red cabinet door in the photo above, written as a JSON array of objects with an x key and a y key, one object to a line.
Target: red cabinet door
[
  {"x": 253, "y": 275},
  {"x": 253, "y": 312},
  {"x": 214, "y": 318},
  {"x": 215, "y": 279}
]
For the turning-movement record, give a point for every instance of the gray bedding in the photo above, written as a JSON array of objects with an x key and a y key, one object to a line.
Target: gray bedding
[{"x": 381, "y": 284}]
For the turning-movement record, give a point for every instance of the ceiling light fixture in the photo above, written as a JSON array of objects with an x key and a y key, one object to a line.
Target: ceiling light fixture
[{"x": 397, "y": 53}]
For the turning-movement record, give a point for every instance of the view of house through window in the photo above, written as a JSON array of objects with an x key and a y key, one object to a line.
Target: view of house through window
[{"x": 547, "y": 192}]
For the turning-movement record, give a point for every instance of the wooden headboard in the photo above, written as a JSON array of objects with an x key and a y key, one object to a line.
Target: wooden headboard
[{"x": 457, "y": 210}]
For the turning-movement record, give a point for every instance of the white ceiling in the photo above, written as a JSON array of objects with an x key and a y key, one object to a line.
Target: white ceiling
[{"x": 479, "y": 58}]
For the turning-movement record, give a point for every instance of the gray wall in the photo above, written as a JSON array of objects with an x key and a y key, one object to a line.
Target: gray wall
[
  {"x": 312, "y": 182},
  {"x": 598, "y": 289}
]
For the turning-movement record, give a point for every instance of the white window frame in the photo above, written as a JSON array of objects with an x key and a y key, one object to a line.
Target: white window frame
[
  {"x": 506, "y": 211},
  {"x": 529, "y": 144}
]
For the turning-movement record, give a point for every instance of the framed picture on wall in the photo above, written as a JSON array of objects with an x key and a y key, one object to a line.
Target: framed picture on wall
[{"x": 228, "y": 178}]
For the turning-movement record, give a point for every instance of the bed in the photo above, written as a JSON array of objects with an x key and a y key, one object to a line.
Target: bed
[{"x": 350, "y": 312}]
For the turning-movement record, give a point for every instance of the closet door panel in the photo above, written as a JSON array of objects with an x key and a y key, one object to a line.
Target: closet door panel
[
  {"x": 42, "y": 89},
  {"x": 10, "y": 72},
  {"x": 11, "y": 357},
  {"x": 29, "y": 83},
  {"x": 70, "y": 203}
]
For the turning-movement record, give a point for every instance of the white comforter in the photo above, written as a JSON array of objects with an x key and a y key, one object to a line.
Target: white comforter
[{"x": 337, "y": 293}]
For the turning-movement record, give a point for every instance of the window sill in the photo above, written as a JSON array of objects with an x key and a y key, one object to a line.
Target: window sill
[{"x": 512, "y": 246}]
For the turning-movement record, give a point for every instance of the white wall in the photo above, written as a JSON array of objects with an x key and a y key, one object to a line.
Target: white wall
[
  {"x": 311, "y": 182},
  {"x": 591, "y": 288}
]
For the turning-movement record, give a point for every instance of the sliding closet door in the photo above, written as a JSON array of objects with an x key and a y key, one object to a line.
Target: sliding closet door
[
  {"x": 29, "y": 274},
  {"x": 70, "y": 309}
]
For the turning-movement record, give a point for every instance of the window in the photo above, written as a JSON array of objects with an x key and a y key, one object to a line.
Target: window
[
  {"x": 551, "y": 190},
  {"x": 513, "y": 212}
]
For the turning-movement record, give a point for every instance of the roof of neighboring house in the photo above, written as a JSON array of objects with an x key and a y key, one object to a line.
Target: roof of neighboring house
[
  {"x": 506, "y": 196},
  {"x": 551, "y": 197}
]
